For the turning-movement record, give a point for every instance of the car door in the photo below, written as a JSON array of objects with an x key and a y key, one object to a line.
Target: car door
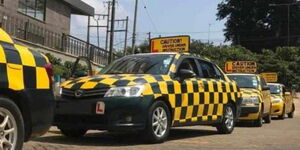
[
  {"x": 214, "y": 92},
  {"x": 288, "y": 99},
  {"x": 265, "y": 95},
  {"x": 187, "y": 106}
]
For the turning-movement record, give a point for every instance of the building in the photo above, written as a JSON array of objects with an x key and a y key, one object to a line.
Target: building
[
  {"x": 46, "y": 23},
  {"x": 52, "y": 15}
]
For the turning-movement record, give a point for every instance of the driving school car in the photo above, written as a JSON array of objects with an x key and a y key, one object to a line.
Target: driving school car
[
  {"x": 149, "y": 93},
  {"x": 26, "y": 98},
  {"x": 282, "y": 101},
  {"x": 256, "y": 100}
]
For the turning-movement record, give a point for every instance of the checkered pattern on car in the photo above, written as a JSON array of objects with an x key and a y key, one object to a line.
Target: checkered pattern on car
[{"x": 22, "y": 68}]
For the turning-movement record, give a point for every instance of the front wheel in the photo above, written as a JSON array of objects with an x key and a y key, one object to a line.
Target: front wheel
[
  {"x": 258, "y": 122},
  {"x": 158, "y": 125},
  {"x": 11, "y": 126},
  {"x": 228, "y": 122},
  {"x": 73, "y": 133},
  {"x": 283, "y": 114},
  {"x": 291, "y": 114}
]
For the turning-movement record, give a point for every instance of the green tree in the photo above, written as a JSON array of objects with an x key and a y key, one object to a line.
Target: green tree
[{"x": 255, "y": 24}]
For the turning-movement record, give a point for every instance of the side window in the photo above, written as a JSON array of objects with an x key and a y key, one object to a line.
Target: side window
[
  {"x": 219, "y": 73},
  {"x": 208, "y": 70},
  {"x": 189, "y": 64},
  {"x": 263, "y": 82}
]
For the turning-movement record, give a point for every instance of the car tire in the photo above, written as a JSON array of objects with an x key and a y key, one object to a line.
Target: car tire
[
  {"x": 73, "y": 133},
  {"x": 158, "y": 123},
  {"x": 228, "y": 122},
  {"x": 258, "y": 122},
  {"x": 291, "y": 114},
  {"x": 268, "y": 118},
  {"x": 11, "y": 119},
  {"x": 283, "y": 114}
]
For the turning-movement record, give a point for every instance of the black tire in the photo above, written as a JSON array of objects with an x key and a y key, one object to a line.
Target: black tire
[
  {"x": 223, "y": 127},
  {"x": 258, "y": 122},
  {"x": 73, "y": 133},
  {"x": 9, "y": 105},
  {"x": 282, "y": 116},
  {"x": 268, "y": 118},
  {"x": 149, "y": 133},
  {"x": 291, "y": 114}
]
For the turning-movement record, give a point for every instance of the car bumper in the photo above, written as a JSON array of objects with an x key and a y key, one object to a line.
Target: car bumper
[
  {"x": 249, "y": 112},
  {"x": 277, "y": 109},
  {"x": 119, "y": 114},
  {"x": 40, "y": 111}
]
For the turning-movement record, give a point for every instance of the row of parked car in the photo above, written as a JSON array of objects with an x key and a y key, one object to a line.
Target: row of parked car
[{"x": 146, "y": 93}]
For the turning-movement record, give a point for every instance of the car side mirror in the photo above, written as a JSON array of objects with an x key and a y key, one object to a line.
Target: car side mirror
[
  {"x": 80, "y": 74},
  {"x": 186, "y": 74},
  {"x": 265, "y": 88}
]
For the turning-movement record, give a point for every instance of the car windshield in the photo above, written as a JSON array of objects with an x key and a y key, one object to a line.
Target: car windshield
[
  {"x": 245, "y": 81},
  {"x": 156, "y": 64},
  {"x": 275, "y": 89}
]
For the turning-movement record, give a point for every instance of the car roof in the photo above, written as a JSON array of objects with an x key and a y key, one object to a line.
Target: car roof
[
  {"x": 275, "y": 84},
  {"x": 242, "y": 74},
  {"x": 4, "y": 37},
  {"x": 172, "y": 53}
]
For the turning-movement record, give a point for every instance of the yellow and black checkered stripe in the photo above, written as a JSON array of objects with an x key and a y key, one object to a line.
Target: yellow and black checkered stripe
[
  {"x": 22, "y": 68},
  {"x": 194, "y": 100}
]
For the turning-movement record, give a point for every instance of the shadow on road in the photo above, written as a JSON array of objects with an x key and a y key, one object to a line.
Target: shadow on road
[{"x": 118, "y": 139}]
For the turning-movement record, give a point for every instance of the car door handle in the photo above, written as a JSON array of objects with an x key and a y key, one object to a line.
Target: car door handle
[{"x": 15, "y": 67}]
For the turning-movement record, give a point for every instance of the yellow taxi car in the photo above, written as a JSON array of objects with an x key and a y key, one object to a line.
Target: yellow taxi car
[
  {"x": 282, "y": 101},
  {"x": 149, "y": 93},
  {"x": 256, "y": 98},
  {"x": 26, "y": 98}
]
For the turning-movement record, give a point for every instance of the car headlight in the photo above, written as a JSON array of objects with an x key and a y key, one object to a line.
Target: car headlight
[
  {"x": 251, "y": 101},
  {"x": 130, "y": 91},
  {"x": 276, "y": 100}
]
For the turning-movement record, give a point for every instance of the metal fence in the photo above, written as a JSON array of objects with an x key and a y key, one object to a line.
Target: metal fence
[{"x": 26, "y": 30}]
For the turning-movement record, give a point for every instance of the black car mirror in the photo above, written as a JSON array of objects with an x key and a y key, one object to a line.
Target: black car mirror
[
  {"x": 186, "y": 74},
  {"x": 80, "y": 74},
  {"x": 265, "y": 88}
]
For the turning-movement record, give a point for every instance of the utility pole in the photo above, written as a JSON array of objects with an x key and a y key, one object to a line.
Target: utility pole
[
  {"x": 149, "y": 38},
  {"x": 126, "y": 36},
  {"x": 107, "y": 31},
  {"x": 208, "y": 37},
  {"x": 123, "y": 30},
  {"x": 134, "y": 26},
  {"x": 112, "y": 31},
  {"x": 288, "y": 15},
  {"x": 88, "y": 30},
  {"x": 98, "y": 26}
]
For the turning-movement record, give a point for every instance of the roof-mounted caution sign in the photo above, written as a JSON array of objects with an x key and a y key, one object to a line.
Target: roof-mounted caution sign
[
  {"x": 240, "y": 67},
  {"x": 170, "y": 44},
  {"x": 270, "y": 77}
]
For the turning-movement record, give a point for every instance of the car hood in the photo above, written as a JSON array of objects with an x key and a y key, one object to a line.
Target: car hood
[
  {"x": 108, "y": 81},
  {"x": 273, "y": 96},
  {"x": 247, "y": 92}
]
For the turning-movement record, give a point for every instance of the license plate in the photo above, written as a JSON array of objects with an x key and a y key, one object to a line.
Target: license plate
[{"x": 100, "y": 108}]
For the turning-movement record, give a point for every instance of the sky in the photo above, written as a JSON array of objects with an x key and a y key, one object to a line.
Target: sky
[{"x": 160, "y": 17}]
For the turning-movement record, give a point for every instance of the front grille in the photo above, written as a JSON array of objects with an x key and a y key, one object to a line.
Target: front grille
[{"x": 99, "y": 93}]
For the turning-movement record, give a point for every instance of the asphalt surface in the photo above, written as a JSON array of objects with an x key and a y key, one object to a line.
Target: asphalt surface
[{"x": 279, "y": 135}]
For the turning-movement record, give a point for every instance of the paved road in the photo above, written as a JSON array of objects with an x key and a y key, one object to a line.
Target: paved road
[{"x": 280, "y": 134}]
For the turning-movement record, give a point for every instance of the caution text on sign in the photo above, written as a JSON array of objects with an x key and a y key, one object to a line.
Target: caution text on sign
[
  {"x": 240, "y": 67},
  {"x": 270, "y": 77},
  {"x": 170, "y": 44}
]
